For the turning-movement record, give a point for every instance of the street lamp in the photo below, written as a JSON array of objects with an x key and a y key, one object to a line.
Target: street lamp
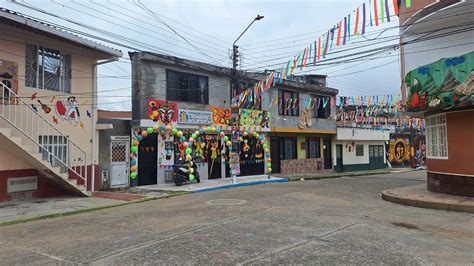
[{"x": 235, "y": 56}]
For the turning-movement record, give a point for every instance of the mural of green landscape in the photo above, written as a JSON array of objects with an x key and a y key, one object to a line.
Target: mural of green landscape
[{"x": 444, "y": 84}]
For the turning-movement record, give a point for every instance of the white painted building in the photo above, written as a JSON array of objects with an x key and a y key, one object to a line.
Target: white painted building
[{"x": 359, "y": 149}]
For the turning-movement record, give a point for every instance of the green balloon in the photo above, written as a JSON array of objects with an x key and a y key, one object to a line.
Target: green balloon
[
  {"x": 226, "y": 138},
  {"x": 133, "y": 175},
  {"x": 265, "y": 146},
  {"x": 134, "y": 148},
  {"x": 174, "y": 130},
  {"x": 191, "y": 177},
  {"x": 149, "y": 130},
  {"x": 194, "y": 135},
  {"x": 209, "y": 128},
  {"x": 188, "y": 150},
  {"x": 269, "y": 165}
]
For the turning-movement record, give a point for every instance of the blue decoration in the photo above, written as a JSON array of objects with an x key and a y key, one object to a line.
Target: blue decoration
[
  {"x": 139, "y": 137},
  {"x": 133, "y": 161},
  {"x": 162, "y": 128},
  {"x": 182, "y": 139},
  {"x": 218, "y": 129},
  {"x": 455, "y": 61},
  {"x": 424, "y": 70},
  {"x": 201, "y": 131}
]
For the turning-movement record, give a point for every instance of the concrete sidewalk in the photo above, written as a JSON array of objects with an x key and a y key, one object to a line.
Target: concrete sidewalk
[
  {"x": 419, "y": 196},
  {"x": 49, "y": 207},
  {"x": 208, "y": 185}
]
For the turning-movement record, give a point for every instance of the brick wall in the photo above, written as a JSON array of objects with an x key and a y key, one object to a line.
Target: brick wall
[
  {"x": 451, "y": 184},
  {"x": 302, "y": 166}
]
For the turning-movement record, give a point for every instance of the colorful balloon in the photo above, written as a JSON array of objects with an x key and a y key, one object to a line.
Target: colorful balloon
[
  {"x": 139, "y": 137},
  {"x": 194, "y": 135},
  {"x": 133, "y": 175},
  {"x": 213, "y": 129},
  {"x": 191, "y": 139},
  {"x": 149, "y": 130},
  {"x": 269, "y": 159},
  {"x": 269, "y": 170},
  {"x": 191, "y": 177},
  {"x": 168, "y": 128},
  {"x": 269, "y": 165},
  {"x": 246, "y": 134},
  {"x": 265, "y": 146},
  {"x": 136, "y": 142},
  {"x": 162, "y": 128},
  {"x": 179, "y": 134},
  {"x": 197, "y": 132},
  {"x": 222, "y": 134},
  {"x": 185, "y": 144},
  {"x": 189, "y": 157},
  {"x": 134, "y": 148},
  {"x": 188, "y": 150},
  {"x": 144, "y": 133},
  {"x": 156, "y": 128},
  {"x": 209, "y": 129},
  {"x": 133, "y": 168},
  {"x": 133, "y": 162},
  {"x": 191, "y": 170},
  {"x": 226, "y": 138},
  {"x": 182, "y": 139}
]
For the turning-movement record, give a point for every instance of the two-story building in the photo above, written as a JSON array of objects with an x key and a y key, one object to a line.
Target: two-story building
[
  {"x": 437, "y": 56},
  {"x": 303, "y": 125},
  {"x": 48, "y": 99}
]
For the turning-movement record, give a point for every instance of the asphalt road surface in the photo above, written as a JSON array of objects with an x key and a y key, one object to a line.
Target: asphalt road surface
[{"x": 332, "y": 221}]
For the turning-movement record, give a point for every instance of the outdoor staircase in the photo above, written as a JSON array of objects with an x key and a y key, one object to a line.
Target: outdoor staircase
[{"x": 28, "y": 135}]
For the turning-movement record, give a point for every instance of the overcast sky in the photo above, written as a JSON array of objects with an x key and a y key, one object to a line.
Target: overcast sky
[{"x": 212, "y": 26}]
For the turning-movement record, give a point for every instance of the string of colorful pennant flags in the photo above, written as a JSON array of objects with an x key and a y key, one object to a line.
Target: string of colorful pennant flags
[{"x": 371, "y": 13}]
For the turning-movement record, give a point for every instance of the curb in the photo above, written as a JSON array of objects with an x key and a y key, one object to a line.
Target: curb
[
  {"x": 388, "y": 196},
  {"x": 69, "y": 213},
  {"x": 349, "y": 174},
  {"x": 282, "y": 180}
]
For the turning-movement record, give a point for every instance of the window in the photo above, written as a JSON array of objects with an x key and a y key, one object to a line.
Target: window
[
  {"x": 437, "y": 145},
  {"x": 359, "y": 150},
  {"x": 55, "y": 150},
  {"x": 321, "y": 107},
  {"x": 288, "y": 148},
  {"x": 185, "y": 87},
  {"x": 287, "y": 105},
  {"x": 47, "y": 69},
  {"x": 313, "y": 148}
]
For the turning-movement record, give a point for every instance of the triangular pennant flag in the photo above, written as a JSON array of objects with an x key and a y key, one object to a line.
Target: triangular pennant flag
[
  {"x": 345, "y": 31},
  {"x": 370, "y": 11},
  {"x": 349, "y": 26},
  {"x": 319, "y": 48},
  {"x": 338, "y": 38},
  {"x": 363, "y": 18},
  {"x": 395, "y": 7},
  {"x": 332, "y": 36},
  {"x": 376, "y": 14},
  {"x": 387, "y": 10},
  {"x": 408, "y": 3},
  {"x": 382, "y": 11}
]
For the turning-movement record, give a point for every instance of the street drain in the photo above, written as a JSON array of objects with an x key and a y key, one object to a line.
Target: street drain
[
  {"x": 405, "y": 225},
  {"x": 226, "y": 202}
]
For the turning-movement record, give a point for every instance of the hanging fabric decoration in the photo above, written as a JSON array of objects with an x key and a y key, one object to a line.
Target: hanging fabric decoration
[
  {"x": 395, "y": 7},
  {"x": 332, "y": 35},
  {"x": 408, "y": 3},
  {"x": 382, "y": 11},
  {"x": 370, "y": 11},
  {"x": 310, "y": 50},
  {"x": 326, "y": 47},
  {"x": 356, "y": 26},
  {"x": 319, "y": 48},
  {"x": 363, "y": 18},
  {"x": 345, "y": 31},
  {"x": 387, "y": 10},
  {"x": 376, "y": 13},
  {"x": 349, "y": 26},
  {"x": 338, "y": 38}
]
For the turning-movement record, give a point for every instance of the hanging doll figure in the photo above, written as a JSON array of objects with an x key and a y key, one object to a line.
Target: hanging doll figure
[
  {"x": 199, "y": 149},
  {"x": 246, "y": 149},
  {"x": 182, "y": 150},
  {"x": 258, "y": 151},
  {"x": 214, "y": 150}
]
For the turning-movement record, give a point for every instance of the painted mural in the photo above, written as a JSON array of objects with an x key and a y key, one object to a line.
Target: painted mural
[
  {"x": 9, "y": 74},
  {"x": 221, "y": 115},
  {"x": 66, "y": 109},
  {"x": 420, "y": 151},
  {"x": 163, "y": 111},
  {"x": 445, "y": 84},
  {"x": 399, "y": 151},
  {"x": 254, "y": 118}
]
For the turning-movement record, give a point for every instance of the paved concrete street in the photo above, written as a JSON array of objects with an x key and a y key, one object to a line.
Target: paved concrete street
[{"x": 330, "y": 221}]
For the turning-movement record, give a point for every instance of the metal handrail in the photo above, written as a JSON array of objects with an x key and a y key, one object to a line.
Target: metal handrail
[{"x": 9, "y": 98}]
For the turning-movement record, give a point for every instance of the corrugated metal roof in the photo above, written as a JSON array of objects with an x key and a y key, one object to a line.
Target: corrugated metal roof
[{"x": 51, "y": 29}]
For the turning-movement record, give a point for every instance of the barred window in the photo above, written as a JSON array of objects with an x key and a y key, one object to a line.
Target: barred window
[
  {"x": 436, "y": 136},
  {"x": 47, "y": 69}
]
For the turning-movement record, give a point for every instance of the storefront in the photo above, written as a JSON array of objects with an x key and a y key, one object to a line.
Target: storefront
[{"x": 173, "y": 137}]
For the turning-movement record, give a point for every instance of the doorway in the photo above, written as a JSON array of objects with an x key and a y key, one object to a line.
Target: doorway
[
  {"x": 339, "y": 167},
  {"x": 147, "y": 164},
  {"x": 376, "y": 157},
  {"x": 119, "y": 154},
  {"x": 327, "y": 153}
]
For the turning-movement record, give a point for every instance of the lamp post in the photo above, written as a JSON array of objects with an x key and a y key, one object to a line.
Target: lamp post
[
  {"x": 235, "y": 84},
  {"x": 235, "y": 55}
]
